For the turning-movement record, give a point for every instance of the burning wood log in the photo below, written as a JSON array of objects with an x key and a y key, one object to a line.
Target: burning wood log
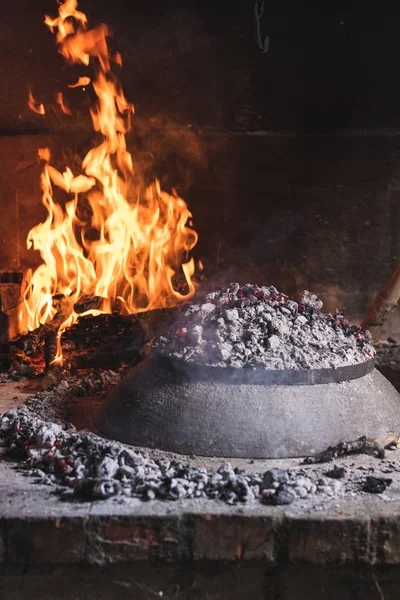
[
  {"x": 88, "y": 302},
  {"x": 43, "y": 339},
  {"x": 360, "y": 446},
  {"x": 52, "y": 374},
  {"x": 382, "y": 306},
  {"x": 31, "y": 343},
  {"x": 94, "y": 341},
  {"x": 108, "y": 340}
]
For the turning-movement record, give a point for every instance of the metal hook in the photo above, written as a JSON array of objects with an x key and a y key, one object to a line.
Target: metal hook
[{"x": 258, "y": 13}]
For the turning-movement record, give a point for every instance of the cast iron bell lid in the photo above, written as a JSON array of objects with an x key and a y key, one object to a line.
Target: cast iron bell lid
[{"x": 167, "y": 405}]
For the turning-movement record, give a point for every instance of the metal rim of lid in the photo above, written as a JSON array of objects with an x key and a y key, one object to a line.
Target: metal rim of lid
[{"x": 259, "y": 376}]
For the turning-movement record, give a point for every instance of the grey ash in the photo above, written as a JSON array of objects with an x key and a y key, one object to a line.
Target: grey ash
[{"x": 252, "y": 326}]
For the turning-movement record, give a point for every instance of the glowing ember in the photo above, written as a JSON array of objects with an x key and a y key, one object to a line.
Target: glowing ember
[{"x": 129, "y": 243}]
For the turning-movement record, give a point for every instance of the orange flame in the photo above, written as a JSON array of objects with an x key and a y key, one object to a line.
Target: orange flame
[
  {"x": 82, "y": 81},
  {"x": 37, "y": 107},
  {"x": 61, "y": 103},
  {"x": 111, "y": 239},
  {"x": 117, "y": 58}
]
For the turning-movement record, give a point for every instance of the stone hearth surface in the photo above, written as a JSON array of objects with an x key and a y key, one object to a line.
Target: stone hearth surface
[
  {"x": 145, "y": 548},
  {"x": 198, "y": 548}
]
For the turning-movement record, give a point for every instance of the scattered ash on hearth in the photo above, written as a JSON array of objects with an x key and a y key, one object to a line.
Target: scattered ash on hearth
[
  {"x": 82, "y": 465},
  {"x": 52, "y": 404},
  {"x": 251, "y": 326}
]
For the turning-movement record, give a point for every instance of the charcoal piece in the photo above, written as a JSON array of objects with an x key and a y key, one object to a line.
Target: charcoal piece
[
  {"x": 284, "y": 496},
  {"x": 31, "y": 343},
  {"x": 336, "y": 473},
  {"x": 274, "y": 478},
  {"x": 360, "y": 446},
  {"x": 310, "y": 303},
  {"x": 231, "y": 315},
  {"x": 92, "y": 489},
  {"x": 150, "y": 494},
  {"x": 84, "y": 490},
  {"x": 273, "y": 342},
  {"x": 226, "y": 471},
  {"x": 376, "y": 485}
]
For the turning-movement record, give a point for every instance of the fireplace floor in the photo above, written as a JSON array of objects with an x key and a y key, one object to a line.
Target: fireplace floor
[
  {"x": 354, "y": 525},
  {"x": 38, "y": 528},
  {"x": 199, "y": 549}
]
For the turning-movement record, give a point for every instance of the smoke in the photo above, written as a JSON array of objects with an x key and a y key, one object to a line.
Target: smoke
[{"x": 162, "y": 149}]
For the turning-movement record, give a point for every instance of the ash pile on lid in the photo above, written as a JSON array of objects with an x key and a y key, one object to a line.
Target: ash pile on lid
[{"x": 251, "y": 326}]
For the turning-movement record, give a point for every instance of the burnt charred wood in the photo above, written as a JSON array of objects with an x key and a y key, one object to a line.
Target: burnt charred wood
[
  {"x": 91, "y": 330},
  {"x": 90, "y": 302},
  {"x": 360, "y": 446},
  {"x": 53, "y": 373},
  {"x": 154, "y": 322},
  {"x": 50, "y": 346},
  {"x": 27, "y": 349},
  {"x": 100, "y": 359},
  {"x": 63, "y": 306},
  {"x": 105, "y": 340},
  {"x": 87, "y": 302},
  {"x": 376, "y": 485},
  {"x": 111, "y": 340},
  {"x": 30, "y": 343},
  {"x": 133, "y": 330}
]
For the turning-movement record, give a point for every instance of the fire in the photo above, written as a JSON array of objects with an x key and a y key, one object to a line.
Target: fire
[
  {"x": 113, "y": 238},
  {"x": 82, "y": 82},
  {"x": 61, "y": 103},
  {"x": 37, "y": 107}
]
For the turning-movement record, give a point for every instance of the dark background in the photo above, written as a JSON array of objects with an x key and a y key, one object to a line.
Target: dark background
[
  {"x": 289, "y": 159},
  {"x": 332, "y": 65}
]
